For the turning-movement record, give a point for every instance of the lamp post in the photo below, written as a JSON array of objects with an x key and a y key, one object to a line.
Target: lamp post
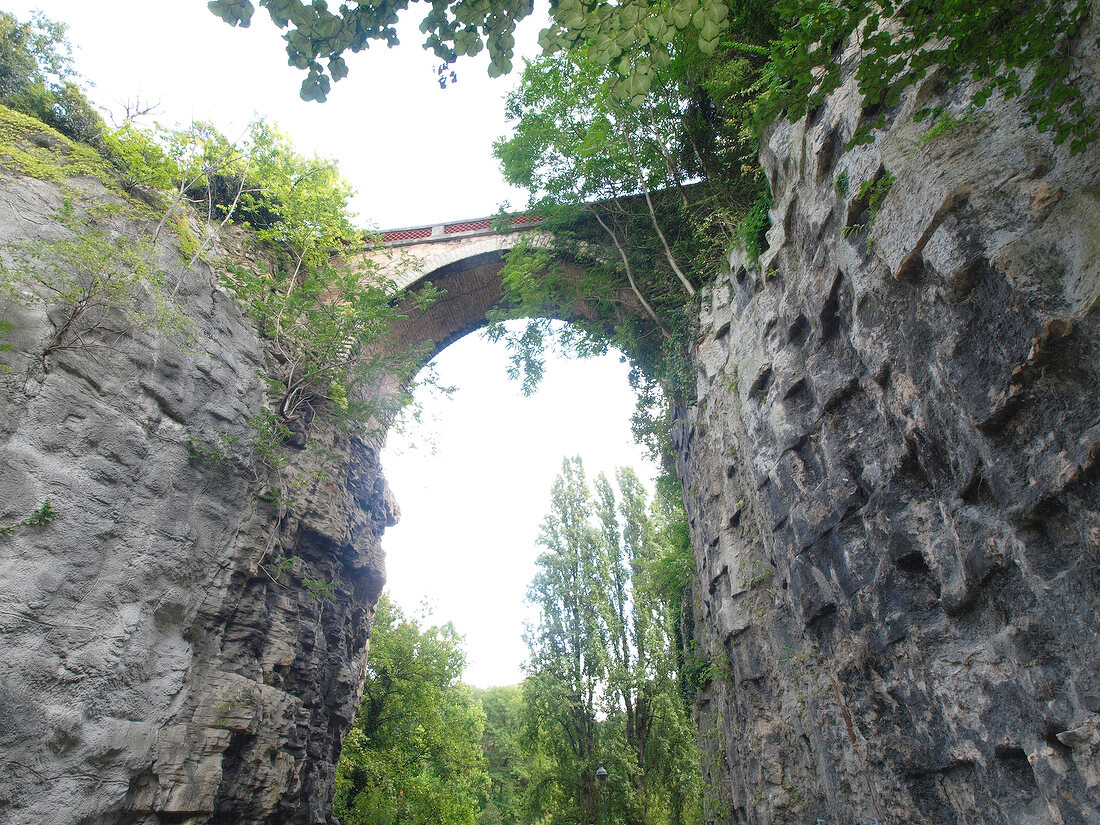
[{"x": 601, "y": 774}]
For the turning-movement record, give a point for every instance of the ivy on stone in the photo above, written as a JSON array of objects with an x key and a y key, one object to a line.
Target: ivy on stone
[{"x": 1014, "y": 48}]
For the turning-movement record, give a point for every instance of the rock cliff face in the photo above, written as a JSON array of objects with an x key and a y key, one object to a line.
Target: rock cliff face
[
  {"x": 892, "y": 476},
  {"x": 893, "y": 480},
  {"x": 165, "y": 658}
]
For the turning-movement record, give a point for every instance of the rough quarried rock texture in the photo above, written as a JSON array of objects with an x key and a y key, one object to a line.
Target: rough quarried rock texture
[
  {"x": 179, "y": 647},
  {"x": 893, "y": 482},
  {"x": 159, "y": 663},
  {"x": 891, "y": 474}
]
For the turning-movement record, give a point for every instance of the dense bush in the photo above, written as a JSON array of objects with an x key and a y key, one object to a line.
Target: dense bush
[
  {"x": 414, "y": 753},
  {"x": 37, "y": 78}
]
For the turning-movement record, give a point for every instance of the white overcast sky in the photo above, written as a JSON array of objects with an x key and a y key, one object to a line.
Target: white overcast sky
[
  {"x": 474, "y": 483},
  {"x": 418, "y": 154}
]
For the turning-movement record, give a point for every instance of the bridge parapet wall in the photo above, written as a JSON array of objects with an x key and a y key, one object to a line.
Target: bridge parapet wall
[
  {"x": 464, "y": 228},
  {"x": 409, "y": 261}
]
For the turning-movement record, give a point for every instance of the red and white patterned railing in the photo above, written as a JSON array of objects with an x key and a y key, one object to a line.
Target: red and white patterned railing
[{"x": 478, "y": 226}]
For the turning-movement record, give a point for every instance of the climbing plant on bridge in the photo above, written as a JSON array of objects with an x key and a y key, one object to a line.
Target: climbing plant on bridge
[{"x": 640, "y": 199}]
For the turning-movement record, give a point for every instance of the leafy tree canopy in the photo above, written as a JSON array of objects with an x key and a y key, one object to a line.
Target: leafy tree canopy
[
  {"x": 38, "y": 79},
  {"x": 601, "y": 685},
  {"x": 625, "y": 31},
  {"x": 35, "y": 51},
  {"x": 900, "y": 42},
  {"x": 505, "y": 755},
  {"x": 414, "y": 754}
]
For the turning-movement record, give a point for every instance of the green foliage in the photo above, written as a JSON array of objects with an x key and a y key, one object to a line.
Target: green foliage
[
  {"x": 998, "y": 43},
  {"x": 568, "y": 655},
  {"x": 752, "y": 231},
  {"x": 315, "y": 34},
  {"x": 203, "y": 168},
  {"x": 602, "y": 684},
  {"x": 944, "y": 121},
  {"x": 331, "y": 331},
  {"x": 320, "y": 589},
  {"x": 280, "y": 571},
  {"x": 142, "y": 159},
  {"x": 42, "y": 516},
  {"x": 5, "y": 346},
  {"x": 34, "y": 52},
  {"x": 659, "y": 364},
  {"x": 507, "y": 759},
  {"x": 189, "y": 244},
  {"x": 414, "y": 753},
  {"x": 873, "y": 192},
  {"x": 36, "y": 77},
  {"x": 30, "y": 147},
  {"x": 218, "y": 453},
  {"x": 842, "y": 184},
  {"x": 328, "y": 327},
  {"x": 868, "y": 201},
  {"x": 995, "y": 42},
  {"x": 270, "y": 432},
  {"x": 634, "y": 37},
  {"x": 98, "y": 286},
  {"x": 282, "y": 567},
  {"x": 637, "y": 39},
  {"x": 297, "y": 203},
  {"x": 670, "y": 571},
  {"x": 698, "y": 671},
  {"x": 632, "y": 237}
]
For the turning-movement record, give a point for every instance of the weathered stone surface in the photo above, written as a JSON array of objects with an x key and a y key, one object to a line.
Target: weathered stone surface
[
  {"x": 163, "y": 664},
  {"x": 891, "y": 475},
  {"x": 155, "y": 667},
  {"x": 893, "y": 481}
]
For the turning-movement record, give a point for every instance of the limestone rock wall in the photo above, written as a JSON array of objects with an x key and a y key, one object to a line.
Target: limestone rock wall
[
  {"x": 893, "y": 480},
  {"x": 164, "y": 659},
  {"x": 891, "y": 476}
]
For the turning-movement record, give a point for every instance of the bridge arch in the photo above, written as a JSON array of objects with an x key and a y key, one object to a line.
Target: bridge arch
[
  {"x": 466, "y": 265},
  {"x": 467, "y": 271}
]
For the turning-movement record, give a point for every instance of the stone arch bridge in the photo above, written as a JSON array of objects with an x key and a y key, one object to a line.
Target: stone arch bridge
[{"x": 462, "y": 258}]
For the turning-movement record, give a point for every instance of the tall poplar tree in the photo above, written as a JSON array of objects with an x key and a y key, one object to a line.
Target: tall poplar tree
[
  {"x": 602, "y": 684},
  {"x": 567, "y": 665}
]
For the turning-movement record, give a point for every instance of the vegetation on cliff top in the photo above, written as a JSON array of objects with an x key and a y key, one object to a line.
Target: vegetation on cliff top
[{"x": 327, "y": 327}]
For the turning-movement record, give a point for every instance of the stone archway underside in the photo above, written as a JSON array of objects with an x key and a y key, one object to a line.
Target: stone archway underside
[{"x": 467, "y": 271}]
